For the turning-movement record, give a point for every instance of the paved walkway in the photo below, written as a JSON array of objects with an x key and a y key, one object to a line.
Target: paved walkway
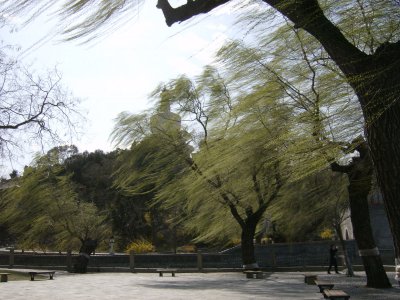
[{"x": 193, "y": 286}]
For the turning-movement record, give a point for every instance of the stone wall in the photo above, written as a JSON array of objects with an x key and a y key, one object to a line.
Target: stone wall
[{"x": 295, "y": 255}]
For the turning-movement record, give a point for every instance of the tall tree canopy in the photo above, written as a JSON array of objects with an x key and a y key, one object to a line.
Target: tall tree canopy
[{"x": 373, "y": 75}]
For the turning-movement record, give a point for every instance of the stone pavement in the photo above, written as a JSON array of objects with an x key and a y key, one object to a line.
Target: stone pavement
[{"x": 193, "y": 286}]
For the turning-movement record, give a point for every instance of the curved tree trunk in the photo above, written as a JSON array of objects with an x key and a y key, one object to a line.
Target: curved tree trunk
[{"x": 376, "y": 275}]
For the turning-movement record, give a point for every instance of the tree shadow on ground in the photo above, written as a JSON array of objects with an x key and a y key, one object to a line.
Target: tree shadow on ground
[{"x": 288, "y": 288}]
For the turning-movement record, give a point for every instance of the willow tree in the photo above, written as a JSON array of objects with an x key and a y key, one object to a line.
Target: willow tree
[
  {"x": 325, "y": 110},
  {"x": 234, "y": 173},
  {"x": 43, "y": 211}
]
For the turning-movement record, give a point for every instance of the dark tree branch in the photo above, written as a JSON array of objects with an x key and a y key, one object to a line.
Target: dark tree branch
[
  {"x": 306, "y": 14},
  {"x": 236, "y": 215},
  {"x": 188, "y": 10}
]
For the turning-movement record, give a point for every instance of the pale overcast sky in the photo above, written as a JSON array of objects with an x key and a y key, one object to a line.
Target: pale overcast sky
[{"x": 118, "y": 72}]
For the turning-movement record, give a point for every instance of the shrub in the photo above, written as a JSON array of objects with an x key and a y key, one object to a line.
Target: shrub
[
  {"x": 140, "y": 246},
  {"x": 187, "y": 248},
  {"x": 326, "y": 234}
]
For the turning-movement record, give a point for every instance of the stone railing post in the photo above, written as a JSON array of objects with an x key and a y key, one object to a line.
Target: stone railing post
[
  {"x": 11, "y": 258},
  {"x": 69, "y": 260},
  {"x": 199, "y": 260},
  {"x": 132, "y": 261},
  {"x": 274, "y": 258}
]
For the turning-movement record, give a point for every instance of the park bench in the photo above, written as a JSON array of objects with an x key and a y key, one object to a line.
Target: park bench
[
  {"x": 254, "y": 274},
  {"x": 310, "y": 278},
  {"x": 335, "y": 294},
  {"x": 323, "y": 285},
  {"x": 34, "y": 273},
  {"x": 4, "y": 277},
  {"x": 162, "y": 271}
]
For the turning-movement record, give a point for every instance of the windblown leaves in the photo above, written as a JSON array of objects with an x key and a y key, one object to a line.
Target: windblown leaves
[{"x": 85, "y": 19}]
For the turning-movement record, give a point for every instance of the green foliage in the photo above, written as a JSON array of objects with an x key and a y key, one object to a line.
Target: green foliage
[
  {"x": 236, "y": 165},
  {"x": 152, "y": 162},
  {"x": 78, "y": 18},
  {"x": 92, "y": 174},
  {"x": 310, "y": 205},
  {"x": 130, "y": 129},
  {"x": 300, "y": 60},
  {"x": 291, "y": 110},
  {"x": 149, "y": 165},
  {"x": 43, "y": 210}
]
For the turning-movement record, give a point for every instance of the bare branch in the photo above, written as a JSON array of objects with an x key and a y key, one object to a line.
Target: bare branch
[{"x": 188, "y": 10}]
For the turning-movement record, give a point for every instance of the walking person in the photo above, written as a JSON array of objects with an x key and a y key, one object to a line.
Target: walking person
[{"x": 332, "y": 259}]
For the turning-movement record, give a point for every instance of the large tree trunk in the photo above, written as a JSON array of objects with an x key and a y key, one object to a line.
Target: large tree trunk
[
  {"x": 248, "y": 226},
  {"x": 381, "y": 98},
  {"x": 376, "y": 275},
  {"x": 384, "y": 140},
  {"x": 359, "y": 173},
  {"x": 247, "y": 243},
  {"x": 88, "y": 247}
]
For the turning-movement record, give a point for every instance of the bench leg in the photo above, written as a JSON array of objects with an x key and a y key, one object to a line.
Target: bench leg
[
  {"x": 173, "y": 274},
  {"x": 4, "y": 278},
  {"x": 32, "y": 277},
  {"x": 161, "y": 274},
  {"x": 51, "y": 276}
]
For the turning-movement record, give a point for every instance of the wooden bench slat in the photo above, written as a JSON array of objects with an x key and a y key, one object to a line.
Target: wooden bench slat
[
  {"x": 310, "y": 278},
  {"x": 34, "y": 273},
  {"x": 162, "y": 271},
  {"x": 251, "y": 273},
  {"x": 322, "y": 285},
  {"x": 336, "y": 294}
]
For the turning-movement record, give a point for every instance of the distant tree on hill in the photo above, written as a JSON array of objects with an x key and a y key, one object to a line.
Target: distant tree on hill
[{"x": 43, "y": 211}]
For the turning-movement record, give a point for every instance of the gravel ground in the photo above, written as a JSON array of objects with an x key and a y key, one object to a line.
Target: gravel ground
[{"x": 193, "y": 286}]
